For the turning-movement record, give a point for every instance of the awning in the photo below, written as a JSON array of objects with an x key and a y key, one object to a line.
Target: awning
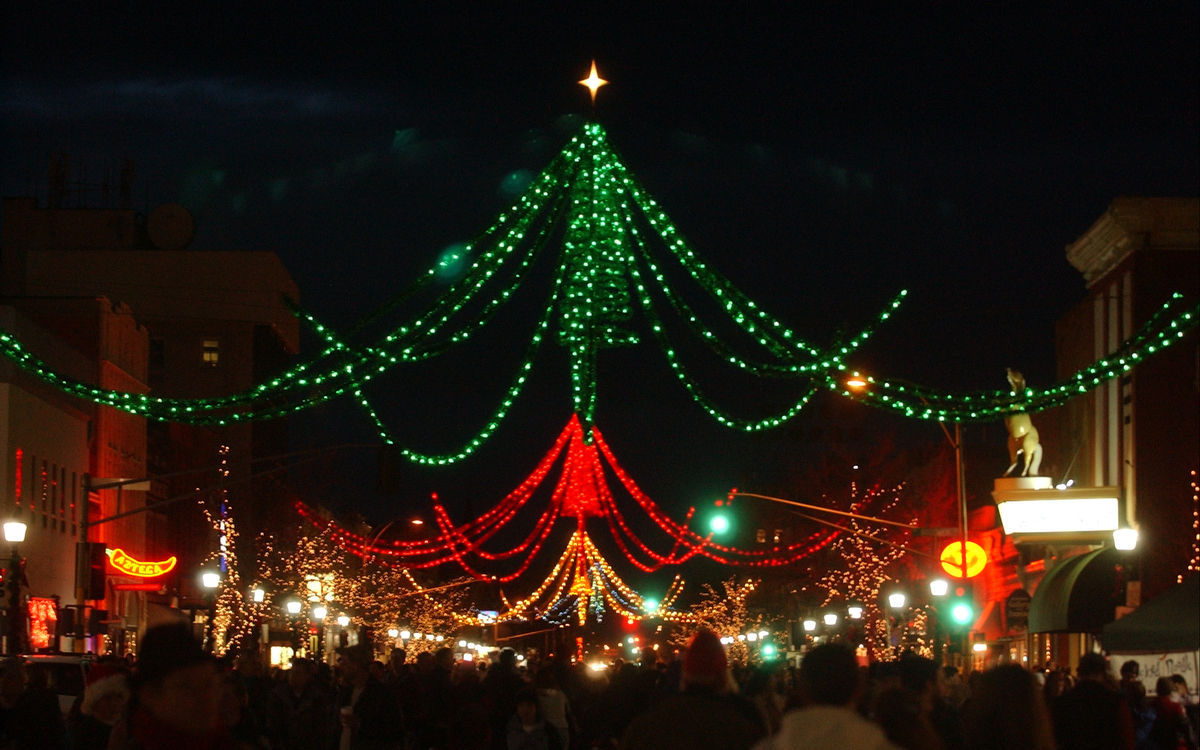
[
  {"x": 1079, "y": 594},
  {"x": 1168, "y": 622}
]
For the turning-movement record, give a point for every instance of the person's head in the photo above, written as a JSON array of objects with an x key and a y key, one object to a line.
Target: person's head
[
  {"x": 527, "y": 708},
  {"x": 106, "y": 693},
  {"x": 444, "y": 658},
  {"x": 175, "y": 681},
  {"x": 1180, "y": 684},
  {"x": 1163, "y": 687},
  {"x": 1001, "y": 694},
  {"x": 704, "y": 662},
  {"x": 302, "y": 672},
  {"x": 919, "y": 674},
  {"x": 1129, "y": 670},
  {"x": 829, "y": 675},
  {"x": 508, "y": 658},
  {"x": 354, "y": 663},
  {"x": 1092, "y": 666},
  {"x": 1056, "y": 684},
  {"x": 649, "y": 657},
  {"x": 396, "y": 660}
]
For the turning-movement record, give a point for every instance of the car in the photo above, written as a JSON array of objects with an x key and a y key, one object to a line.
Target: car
[{"x": 66, "y": 675}]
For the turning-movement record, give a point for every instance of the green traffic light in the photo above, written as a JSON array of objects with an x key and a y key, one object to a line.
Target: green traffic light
[
  {"x": 719, "y": 524},
  {"x": 961, "y": 613},
  {"x": 768, "y": 651}
]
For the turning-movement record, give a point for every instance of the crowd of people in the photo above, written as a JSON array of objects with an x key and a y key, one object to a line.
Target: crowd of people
[{"x": 177, "y": 697}]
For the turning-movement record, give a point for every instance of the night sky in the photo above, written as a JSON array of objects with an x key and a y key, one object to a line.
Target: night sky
[{"x": 821, "y": 159}]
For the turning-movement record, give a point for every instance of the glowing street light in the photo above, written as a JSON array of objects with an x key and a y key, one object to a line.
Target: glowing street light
[
  {"x": 897, "y": 599},
  {"x": 293, "y": 606},
  {"x": 1125, "y": 539},
  {"x": 939, "y": 587},
  {"x": 319, "y": 613}
]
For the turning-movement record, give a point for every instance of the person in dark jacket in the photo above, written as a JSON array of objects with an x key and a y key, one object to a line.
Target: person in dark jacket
[
  {"x": 300, "y": 710},
  {"x": 1093, "y": 715},
  {"x": 367, "y": 710},
  {"x": 706, "y": 715}
]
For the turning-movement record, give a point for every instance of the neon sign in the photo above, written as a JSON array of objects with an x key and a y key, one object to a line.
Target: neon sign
[
  {"x": 122, "y": 562},
  {"x": 43, "y": 618},
  {"x": 951, "y": 559}
]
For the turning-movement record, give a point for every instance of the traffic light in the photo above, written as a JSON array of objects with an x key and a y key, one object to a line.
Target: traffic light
[
  {"x": 718, "y": 522},
  {"x": 962, "y": 608}
]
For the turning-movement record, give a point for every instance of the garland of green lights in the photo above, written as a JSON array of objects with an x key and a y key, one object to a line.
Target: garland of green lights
[{"x": 608, "y": 218}]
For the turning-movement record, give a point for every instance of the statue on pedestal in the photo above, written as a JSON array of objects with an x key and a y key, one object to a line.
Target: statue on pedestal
[{"x": 1022, "y": 435}]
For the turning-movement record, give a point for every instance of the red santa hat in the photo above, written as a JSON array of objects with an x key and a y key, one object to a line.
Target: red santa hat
[
  {"x": 103, "y": 680},
  {"x": 704, "y": 661}
]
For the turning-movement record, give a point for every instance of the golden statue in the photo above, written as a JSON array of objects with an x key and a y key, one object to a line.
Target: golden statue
[{"x": 1022, "y": 435}]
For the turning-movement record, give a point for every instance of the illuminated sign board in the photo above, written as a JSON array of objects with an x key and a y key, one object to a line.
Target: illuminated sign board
[
  {"x": 123, "y": 563},
  {"x": 1060, "y": 515}
]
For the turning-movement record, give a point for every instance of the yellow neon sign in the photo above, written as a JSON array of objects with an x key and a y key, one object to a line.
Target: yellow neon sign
[
  {"x": 130, "y": 566},
  {"x": 951, "y": 559}
]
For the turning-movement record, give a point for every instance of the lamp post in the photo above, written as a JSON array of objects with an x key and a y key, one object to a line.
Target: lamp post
[
  {"x": 858, "y": 383},
  {"x": 319, "y": 613},
  {"x": 210, "y": 580},
  {"x": 14, "y": 578}
]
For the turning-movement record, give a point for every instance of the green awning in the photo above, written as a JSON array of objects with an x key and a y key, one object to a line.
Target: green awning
[{"x": 1079, "y": 594}]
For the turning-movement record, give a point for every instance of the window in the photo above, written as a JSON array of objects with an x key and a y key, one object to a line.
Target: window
[{"x": 212, "y": 352}]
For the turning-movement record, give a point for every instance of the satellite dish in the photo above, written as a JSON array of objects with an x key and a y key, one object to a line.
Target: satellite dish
[{"x": 171, "y": 227}]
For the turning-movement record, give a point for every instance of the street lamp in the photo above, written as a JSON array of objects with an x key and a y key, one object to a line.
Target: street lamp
[
  {"x": 319, "y": 613},
  {"x": 896, "y": 600},
  {"x": 210, "y": 580},
  {"x": 939, "y": 587},
  {"x": 294, "y": 606},
  {"x": 14, "y": 578},
  {"x": 1125, "y": 539}
]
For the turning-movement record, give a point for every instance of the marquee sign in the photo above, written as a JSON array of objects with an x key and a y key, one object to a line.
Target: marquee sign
[{"x": 130, "y": 566}]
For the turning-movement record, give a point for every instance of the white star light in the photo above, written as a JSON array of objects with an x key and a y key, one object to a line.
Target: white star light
[{"x": 593, "y": 81}]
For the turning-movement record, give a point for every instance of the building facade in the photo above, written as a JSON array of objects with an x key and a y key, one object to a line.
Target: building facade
[{"x": 204, "y": 324}]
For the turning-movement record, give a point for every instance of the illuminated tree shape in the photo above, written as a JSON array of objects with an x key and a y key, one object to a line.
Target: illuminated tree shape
[
  {"x": 619, "y": 255},
  {"x": 581, "y": 580}
]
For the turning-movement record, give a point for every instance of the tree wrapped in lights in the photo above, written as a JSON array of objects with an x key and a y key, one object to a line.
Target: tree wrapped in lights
[
  {"x": 313, "y": 567},
  {"x": 726, "y": 614},
  {"x": 858, "y": 565}
]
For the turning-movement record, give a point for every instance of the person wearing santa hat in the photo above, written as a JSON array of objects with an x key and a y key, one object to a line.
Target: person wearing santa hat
[
  {"x": 103, "y": 704},
  {"x": 707, "y": 713}
]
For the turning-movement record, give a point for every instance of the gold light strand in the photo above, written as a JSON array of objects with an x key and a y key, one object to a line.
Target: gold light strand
[{"x": 1194, "y": 560}]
